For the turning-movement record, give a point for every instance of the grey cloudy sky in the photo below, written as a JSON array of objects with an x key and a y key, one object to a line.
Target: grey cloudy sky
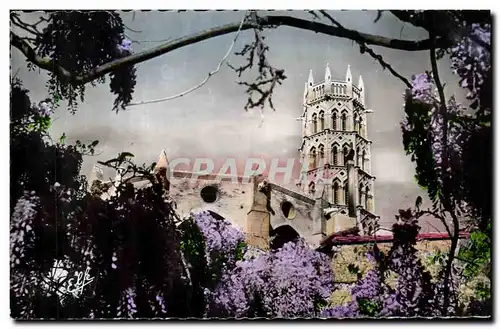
[{"x": 212, "y": 122}]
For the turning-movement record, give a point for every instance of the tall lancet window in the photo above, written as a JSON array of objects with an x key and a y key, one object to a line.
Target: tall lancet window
[
  {"x": 363, "y": 161},
  {"x": 360, "y": 195},
  {"x": 321, "y": 154},
  {"x": 336, "y": 193},
  {"x": 357, "y": 156},
  {"x": 314, "y": 123},
  {"x": 321, "y": 121},
  {"x": 344, "y": 121},
  {"x": 334, "y": 121},
  {"x": 312, "y": 158},
  {"x": 356, "y": 123},
  {"x": 335, "y": 155},
  {"x": 367, "y": 195},
  {"x": 345, "y": 153},
  {"x": 346, "y": 194},
  {"x": 361, "y": 127}
]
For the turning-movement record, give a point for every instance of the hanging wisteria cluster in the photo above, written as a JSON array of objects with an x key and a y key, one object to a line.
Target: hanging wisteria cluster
[
  {"x": 21, "y": 227},
  {"x": 222, "y": 239},
  {"x": 293, "y": 281},
  {"x": 471, "y": 59}
]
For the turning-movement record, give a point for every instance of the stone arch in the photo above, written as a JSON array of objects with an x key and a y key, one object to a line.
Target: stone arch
[
  {"x": 321, "y": 120},
  {"x": 345, "y": 152},
  {"x": 336, "y": 191},
  {"x": 360, "y": 194},
  {"x": 335, "y": 118},
  {"x": 312, "y": 158},
  {"x": 367, "y": 195},
  {"x": 335, "y": 153},
  {"x": 343, "y": 121},
  {"x": 356, "y": 122},
  {"x": 361, "y": 128},
  {"x": 283, "y": 234},
  {"x": 314, "y": 121},
  {"x": 321, "y": 153}
]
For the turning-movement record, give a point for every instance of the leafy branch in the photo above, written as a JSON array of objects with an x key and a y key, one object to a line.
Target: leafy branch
[
  {"x": 262, "y": 22},
  {"x": 268, "y": 77}
]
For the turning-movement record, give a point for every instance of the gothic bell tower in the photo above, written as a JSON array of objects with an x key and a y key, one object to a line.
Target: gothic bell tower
[{"x": 335, "y": 149}]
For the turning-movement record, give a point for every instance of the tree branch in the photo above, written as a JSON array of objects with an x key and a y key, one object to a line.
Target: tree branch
[
  {"x": 32, "y": 56},
  {"x": 265, "y": 22},
  {"x": 363, "y": 48},
  {"x": 30, "y": 28},
  {"x": 448, "y": 205}
]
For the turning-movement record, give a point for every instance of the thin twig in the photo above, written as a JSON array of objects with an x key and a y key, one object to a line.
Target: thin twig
[
  {"x": 132, "y": 30},
  {"x": 364, "y": 48},
  {"x": 25, "y": 26},
  {"x": 201, "y": 84}
]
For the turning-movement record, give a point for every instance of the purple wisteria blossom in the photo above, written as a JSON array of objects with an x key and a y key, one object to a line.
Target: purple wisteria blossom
[
  {"x": 289, "y": 282},
  {"x": 21, "y": 226},
  {"x": 125, "y": 47},
  {"x": 369, "y": 287},
  {"x": 127, "y": 307},
  {"x": 45, "y": 108},
  {"x": 221, "y": 238},
  {"x": 471, "y": 60},
  {"x": 422, "y": 86}
]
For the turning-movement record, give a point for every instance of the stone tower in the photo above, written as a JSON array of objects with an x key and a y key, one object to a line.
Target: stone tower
[{"x": 335, "y": 149}]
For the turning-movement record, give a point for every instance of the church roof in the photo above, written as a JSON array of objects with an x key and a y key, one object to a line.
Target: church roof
[{"x": 162, "y": 161}]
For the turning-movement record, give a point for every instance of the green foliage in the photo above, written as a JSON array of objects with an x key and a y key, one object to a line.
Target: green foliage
[
  {"x": 240, "y": 251},
  {"x": 368, "y": 307},
  {"x": 416, "y": 142},
  {"x": 80, "y": 41},
  {"x": 477, "y": 254}
]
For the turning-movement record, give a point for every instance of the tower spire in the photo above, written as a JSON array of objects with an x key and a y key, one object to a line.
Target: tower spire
[
  {"x": 161, "y": 171},
  {"x": 348, "y": 75},
  {"x": 162, "y": 161},
  {"x": 361, "y": 87},
  {"x": 328, "y": 74},
  {"x": 310, "y": 80}
]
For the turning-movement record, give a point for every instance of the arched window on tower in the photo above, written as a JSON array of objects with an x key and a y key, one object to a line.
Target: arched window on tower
[
  {"x": 345, "y": 152},
  {"x": 334, "y": 121},
  {"x": 361, "y": 131},
  {"x": 312, "y": 158},
  {"x": 321, "y": 121},
  {"x": 314, "y": 123},
  {"x": 360, "y": 195},
  {"x": 357, "y": 156},
  {"x": 356, "y": 123},
  {"x": 336, "y": 193},
  {"x": 344, "y": 122},
  {"x": 335, "y": 155},
  {"x": 346, "y": 195},
  {"x": 363, "y": 160},
  {"x": 312, "y": 189},
  {"x": 367, "y": 195},
  {"x": 321, "y": 154}
]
